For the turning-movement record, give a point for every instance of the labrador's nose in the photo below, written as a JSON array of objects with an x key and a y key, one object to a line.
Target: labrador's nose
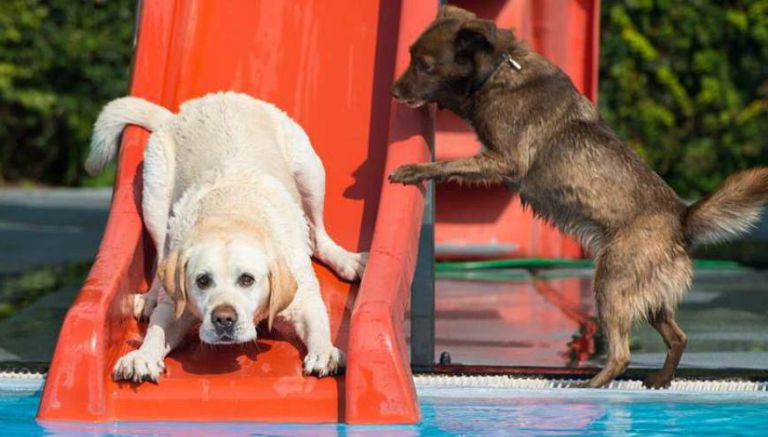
[{"x": 224, "y": 318}]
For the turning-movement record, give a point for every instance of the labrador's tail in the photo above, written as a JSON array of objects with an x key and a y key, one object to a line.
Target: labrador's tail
[{"x": 111, "y": 122}]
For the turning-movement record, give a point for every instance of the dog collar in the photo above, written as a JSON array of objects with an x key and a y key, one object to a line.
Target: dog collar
[{"x": 505, "y": 58}]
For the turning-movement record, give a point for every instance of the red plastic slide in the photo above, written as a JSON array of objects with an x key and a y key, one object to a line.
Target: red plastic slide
[{"x": 329, "y": 64}]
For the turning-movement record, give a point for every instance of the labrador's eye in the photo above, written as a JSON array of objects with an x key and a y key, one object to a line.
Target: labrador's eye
[
  {"x": 245, "y": 280},
  {"x": 203, "y": 281}
]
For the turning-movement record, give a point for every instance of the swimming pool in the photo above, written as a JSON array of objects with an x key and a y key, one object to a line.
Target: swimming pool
[{"x": 464, "y": 411}]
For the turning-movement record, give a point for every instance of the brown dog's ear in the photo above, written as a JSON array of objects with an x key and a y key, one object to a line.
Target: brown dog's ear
[
  {"x": 173, "y": 275},
  {"x": 449, "y": 11},
  {"x": 282, "y": 289},
  {"x": 475, "y": 36}
]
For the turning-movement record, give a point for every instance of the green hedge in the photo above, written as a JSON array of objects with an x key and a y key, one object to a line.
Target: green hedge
[
  {"x": 684, "y": 82},
  {"x": 60, "y": 61}
]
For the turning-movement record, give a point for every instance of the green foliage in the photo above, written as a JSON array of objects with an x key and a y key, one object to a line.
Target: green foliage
[
  {"x": 686, "y": 84},
  {"x": 60, "y": 61}
]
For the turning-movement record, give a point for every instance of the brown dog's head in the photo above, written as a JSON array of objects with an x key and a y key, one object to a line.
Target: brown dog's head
[{"x": 455, "y": 53}]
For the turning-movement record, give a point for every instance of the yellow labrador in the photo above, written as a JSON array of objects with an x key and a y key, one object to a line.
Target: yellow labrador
[{"x": 233, "y": 199}]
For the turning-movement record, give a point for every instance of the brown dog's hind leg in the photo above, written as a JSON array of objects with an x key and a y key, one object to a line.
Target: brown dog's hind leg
[
  {"x": 674, "y": 337},
  {"x": 615, "y": 317},
  {"x": 643, "y": 268},
  {"x": 615, "y": 283}
]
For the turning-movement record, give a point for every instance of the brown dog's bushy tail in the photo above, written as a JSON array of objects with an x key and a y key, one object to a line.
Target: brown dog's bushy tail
[{"x": 731, "y": 210}]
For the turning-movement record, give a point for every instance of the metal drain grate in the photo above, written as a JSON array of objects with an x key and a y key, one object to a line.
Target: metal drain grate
[
  {"x": 26, "y": 378},
  {"x": 516, "y": 382},
  {"x": 21, "y": 373}
]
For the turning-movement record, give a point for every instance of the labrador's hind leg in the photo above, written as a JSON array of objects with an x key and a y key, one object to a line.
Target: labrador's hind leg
[
  {"x": 158, "y": 174},
  {"x": 310, "y": 178}
]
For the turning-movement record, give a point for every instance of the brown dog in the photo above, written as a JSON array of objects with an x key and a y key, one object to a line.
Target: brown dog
[{"x": 547, "y": 142}]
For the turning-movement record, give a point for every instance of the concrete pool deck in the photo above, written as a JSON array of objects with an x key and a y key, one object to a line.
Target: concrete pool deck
[
  {"x": 481, "y": 322},
  {"x": 42, "y": 228},
  {"x": 497, "y": 322}
]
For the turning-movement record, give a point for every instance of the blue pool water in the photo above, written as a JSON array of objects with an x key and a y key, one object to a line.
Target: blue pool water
[{"x": 471, "y": 412}]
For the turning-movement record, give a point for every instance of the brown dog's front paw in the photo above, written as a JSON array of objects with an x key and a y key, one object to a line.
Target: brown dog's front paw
[{"x": 409, "y": 174}]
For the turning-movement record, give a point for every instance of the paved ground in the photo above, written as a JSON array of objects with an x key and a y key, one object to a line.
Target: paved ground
[
  {"x": 511, "y": 322},
  {"x": 50, "y": 226},
  {"x": 43, "y": 228}
]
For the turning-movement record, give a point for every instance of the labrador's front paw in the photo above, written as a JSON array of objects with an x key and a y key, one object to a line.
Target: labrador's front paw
[
  {"x": 138, "y": 366},
  {"x": 323, "y": 362}
]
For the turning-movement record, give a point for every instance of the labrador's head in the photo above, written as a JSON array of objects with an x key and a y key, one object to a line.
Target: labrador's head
[{"x": 230, "y": 283}]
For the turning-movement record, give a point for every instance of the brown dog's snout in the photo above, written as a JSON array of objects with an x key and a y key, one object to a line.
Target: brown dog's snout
[
  {"x": 396, "y": 92},
  {"x": 224, "y": 318}
]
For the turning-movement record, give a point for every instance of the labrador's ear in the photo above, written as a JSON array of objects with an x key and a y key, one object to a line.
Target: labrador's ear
[
  {"x": 282, "y": 288},
  {"x": 450, "y": 11},
  {"x": 173, "y": 275}
]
